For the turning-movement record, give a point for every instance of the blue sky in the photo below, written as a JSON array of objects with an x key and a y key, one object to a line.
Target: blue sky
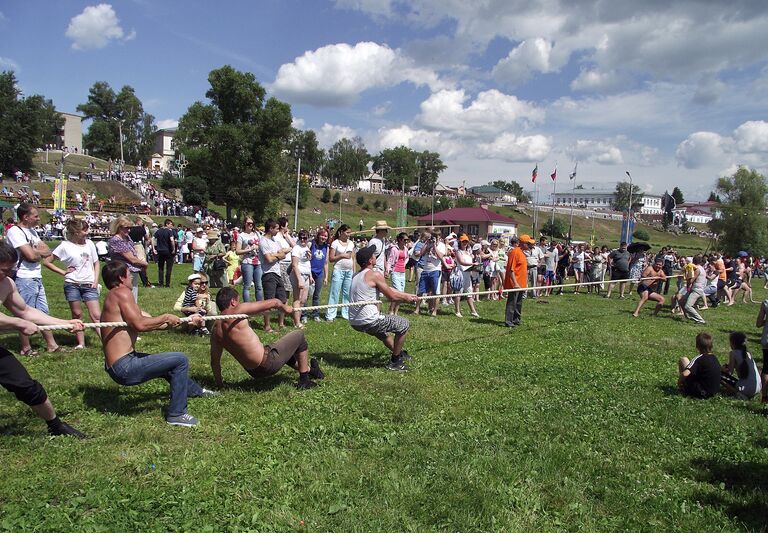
[{"x": 674, "y": 92}]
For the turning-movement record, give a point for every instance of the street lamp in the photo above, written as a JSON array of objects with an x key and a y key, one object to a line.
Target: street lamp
[
  {"x": 299, "y": 153},
  {"x": 629, "y": 211}
]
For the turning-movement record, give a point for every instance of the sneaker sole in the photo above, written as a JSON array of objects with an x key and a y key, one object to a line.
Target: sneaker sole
[{"x": 182, "y": 424}]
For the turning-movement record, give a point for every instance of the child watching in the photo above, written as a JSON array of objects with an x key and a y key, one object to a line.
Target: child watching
[
  {"x": 746, "y": 383},
  {"x": 700, "y": 378}
]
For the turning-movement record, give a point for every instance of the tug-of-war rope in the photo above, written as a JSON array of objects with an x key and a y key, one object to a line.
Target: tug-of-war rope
[{"x": 94, "y": 325}]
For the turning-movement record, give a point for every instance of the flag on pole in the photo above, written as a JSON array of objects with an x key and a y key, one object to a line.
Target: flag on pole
[
  {"x": 572, "y": 175},
  {"x": 554, "y": 174},
  {"x": 535, "y": 173}
]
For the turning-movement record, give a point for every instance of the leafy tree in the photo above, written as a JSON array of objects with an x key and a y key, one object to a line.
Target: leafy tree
[
  {"x": 621, "y": 200},
  {"x": 442, "y": 203},
  {"x": 416, "y": 208},
  {"x": 556, "y": 230},
  {"x": 713, "y": 197},
  {"x": 513, "y": 188},
  {"x": 677, "y": 194},
  {"x": 366, "y": 207},
  {"x": 430, "y": 166},
  {"x": 742, "y": 224},
  {"x": 304, "y": 144},
  {"x": 360, "y": 200},
  {"x": 336, "y": 197},
  {"x": 326, "y": 197},
  {"x": 347, "y": 161},
  {"x": 466, "y": 201},
  {"x": 398, "y": 166},
  {"x": 112, "y": 112},
  {"x": 236, "y": 142},
  {"x": 27, "y": 124},
  {"x": 194, "y": 191}
]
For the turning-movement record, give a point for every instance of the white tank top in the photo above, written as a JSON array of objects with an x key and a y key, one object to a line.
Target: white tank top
[{"x": 361, "y": 315}]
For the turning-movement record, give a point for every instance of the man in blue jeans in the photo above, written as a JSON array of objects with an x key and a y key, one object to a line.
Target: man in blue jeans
[{"x": 125, "y": 365}]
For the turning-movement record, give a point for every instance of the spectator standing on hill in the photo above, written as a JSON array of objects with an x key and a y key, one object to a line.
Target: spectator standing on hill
[
  {"x": 165, "y": 246},
  {"x": 31, "y": 251},
  {"x": 287, "y": 242},
  {"x": 139, "y": 234},
  {"x": 247, "y": 247},
  {"x": 121, "y": 248},
  {"x": 272, "y": 252}
]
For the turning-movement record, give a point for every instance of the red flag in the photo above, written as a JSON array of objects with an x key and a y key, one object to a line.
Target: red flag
[
  {"x": 554, "y": 174},
  {"x": 535, "y": 174}
]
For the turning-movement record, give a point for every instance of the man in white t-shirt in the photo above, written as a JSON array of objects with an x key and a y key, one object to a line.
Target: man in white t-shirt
[
  {"x": 31, "y": 250},
  {"x": 533, "y": 257},
  {"x": 432, "y": 254},
  {"x": 287, "y": 242},
  {"x": 381, "y": 228},
  {"x": 271, "y": 254}
]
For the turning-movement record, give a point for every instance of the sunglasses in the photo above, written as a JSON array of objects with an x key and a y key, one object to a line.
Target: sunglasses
[{"x": 203, "y": 283}]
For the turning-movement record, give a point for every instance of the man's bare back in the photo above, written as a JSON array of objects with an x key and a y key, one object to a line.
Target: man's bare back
[{"x": 237, "y": 337}]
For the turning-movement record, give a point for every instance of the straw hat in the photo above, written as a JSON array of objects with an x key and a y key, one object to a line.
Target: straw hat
[{"x": 381, "y": 224}]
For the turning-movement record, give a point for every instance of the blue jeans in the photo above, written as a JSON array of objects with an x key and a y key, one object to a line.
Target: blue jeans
[
  {"x": 33, "y": 293},
  {"x": 136, "y": 368},
  {"x": 341, "y": 280},
  {"x": 316, "y": 294},
  {"x": 251, "y": 277}
]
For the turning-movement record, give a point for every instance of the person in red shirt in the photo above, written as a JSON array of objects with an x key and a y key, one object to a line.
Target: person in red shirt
[{"x": 516, "y": 277}]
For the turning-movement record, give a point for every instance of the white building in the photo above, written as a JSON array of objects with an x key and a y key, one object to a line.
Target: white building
[
  {"x": 71, "y": 134},
  {"x": 373, "y": 183},
  {"x": 603, "y": 199},
  {"x": 165, "y": 153},
  {"x": 697, "y": 213}
]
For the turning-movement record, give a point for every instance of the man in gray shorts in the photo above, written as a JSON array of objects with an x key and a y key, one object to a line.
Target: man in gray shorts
[
  {"x": 237, "y": 337},
  {"x": 368, "y": 319}
]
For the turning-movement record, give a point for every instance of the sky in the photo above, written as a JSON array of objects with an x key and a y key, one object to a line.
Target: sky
[{"x": 676, "y": 93}]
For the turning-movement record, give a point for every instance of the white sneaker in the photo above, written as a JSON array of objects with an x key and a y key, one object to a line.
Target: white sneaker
[{"x": 185, "y": 420}]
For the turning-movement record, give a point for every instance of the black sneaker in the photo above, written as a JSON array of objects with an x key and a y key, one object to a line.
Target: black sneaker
[
  {"x": 303, "y": 385},
  {"x": 398, "y": 365},
  {"x": 314, "y": 369},
  {"x": 405, "y": 356},
  {"x": 66, "y": 430}
]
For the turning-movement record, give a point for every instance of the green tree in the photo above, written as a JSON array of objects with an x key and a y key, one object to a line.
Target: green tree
[
  {"x": 677, "y": 194},
  {"x": 236, "y": 142},
  {"x": 641, "y": 234},
  {"x": 430, "y": 166},
  {"x": 25, "y": 124},
  {"x": 347, "y": 161},
  {"x": 513, "y": 188},
  {"x": 112, "y": 112},
  {"x": 377, "y": 204},
  {"x": 556, "y": 230},
  {"x": 360, "y": 200},
  {"x": 304, "y": 144},
  {"x": 194, "y": 190},
  {"x": 336, "y": 197},
  {"x": 326, "y": 197},
  {"x": 466, "y": 201},
  {"x": 442, "y": 203},
  {"x": 398, "y": 166},
  {"x": 714, "y": 197},
  {"x": 742, "y": 224},
  {"x": 621, "y": 200}
]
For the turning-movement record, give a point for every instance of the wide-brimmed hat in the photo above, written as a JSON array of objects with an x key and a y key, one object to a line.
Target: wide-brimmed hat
[
  {"x": 212, "y": 234},
  {"x": 381, "y": 224}
]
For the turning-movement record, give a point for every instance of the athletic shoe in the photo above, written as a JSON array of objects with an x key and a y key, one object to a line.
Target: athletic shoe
[
  {"x": 318, "y": 319},
  {"x": 405, "y": 356},
  {"x": 303, "y": 385},
  {"x": 65, "y": 430},
  {"x": 475, "y": 315},
  {"x": 208, "y": 393},
  {"x": 303, "y": 320},
  {"x": 398, "y": 365},
  {"x": 185, "y": 420},
  {"x": 314, "y": 369},
  {"x": 204, "y": 332}
]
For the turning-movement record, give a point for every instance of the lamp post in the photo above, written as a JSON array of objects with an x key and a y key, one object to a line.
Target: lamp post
[
  {"x": 629, "y": 211},
  {"x": 298, "y": 184}
]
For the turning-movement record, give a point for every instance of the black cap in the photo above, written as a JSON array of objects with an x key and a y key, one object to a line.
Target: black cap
[{"x": 364, "y": 255}]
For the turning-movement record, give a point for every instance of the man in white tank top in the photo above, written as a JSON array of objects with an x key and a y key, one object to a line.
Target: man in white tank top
[{"x": 368, "y": 319}]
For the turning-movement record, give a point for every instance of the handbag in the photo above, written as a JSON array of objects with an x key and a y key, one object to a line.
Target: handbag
[{"x": 218, "y": 264}]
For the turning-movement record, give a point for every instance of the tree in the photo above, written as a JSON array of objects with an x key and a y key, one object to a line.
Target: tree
[
  {"x": 336, "y": 197},
  {"x": 398, "y": 166},
  {"x": 430, "y": 166},
  {"x": 513, "y": 188},
  {"x": 377, "y": 204},
  {"x": 621, "y": 197},
  {"x": 304, "y": 144},
  {"x": 556, "y": 230},
  {"x": 194, "y": 191},
  {"x": 236, "y": 142},
  {"x": 25, "y": 124},
  {"x": 677, "y": 194},
  {"x": 360, "y": 200},
  {"x": 742, "y": 224},
  {"x": 112, "y": 112},
  {"x": 347, "y": 161},
  {"x": 326, "y": 197},
  {"x": 640, "y": 234},
  {"x": 713, "y": 197},
  {"x": 466, "y": 201}
]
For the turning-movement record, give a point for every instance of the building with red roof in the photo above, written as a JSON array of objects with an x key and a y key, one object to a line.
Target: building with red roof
[{"x": 477, "y": 221}]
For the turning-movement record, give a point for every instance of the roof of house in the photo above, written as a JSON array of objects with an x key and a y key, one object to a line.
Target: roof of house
[
  {"x": 488, "y": 189},
  {"x": 468, "y": 214}
]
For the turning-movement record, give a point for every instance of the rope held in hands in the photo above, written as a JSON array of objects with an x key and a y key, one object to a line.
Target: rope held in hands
[{"x": 93, "y": 325}]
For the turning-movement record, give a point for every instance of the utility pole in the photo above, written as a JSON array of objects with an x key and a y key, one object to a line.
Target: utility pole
[
  {"x": 629, "y": 210},
  {"x": 298, "y": 184}
]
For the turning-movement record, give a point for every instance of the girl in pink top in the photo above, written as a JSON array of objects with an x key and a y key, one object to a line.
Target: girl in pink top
[{"x": 398, "y": 257}]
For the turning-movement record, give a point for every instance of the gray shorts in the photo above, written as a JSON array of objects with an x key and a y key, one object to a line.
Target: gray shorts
[
  {"x": 284, "y": 267},
  {"x": 384, "y": 325}
]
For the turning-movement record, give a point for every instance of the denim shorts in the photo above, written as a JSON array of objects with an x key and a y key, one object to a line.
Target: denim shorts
[
  {"x": 32, "y": 292},
  {"x": 80, "y": 292},
  {"x": 428, "y": 282}
]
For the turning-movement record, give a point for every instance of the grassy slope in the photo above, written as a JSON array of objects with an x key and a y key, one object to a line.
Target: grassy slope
[
  {"x": 73, "y": 163},
  {"x": 571, "y": 421}
]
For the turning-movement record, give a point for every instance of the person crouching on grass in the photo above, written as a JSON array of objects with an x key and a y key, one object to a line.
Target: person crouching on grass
[
  {"x": 700, "y": 377},
  {"x": 237, "y": 337},
  {"x": 647, "y": 288},
  {"x": 368, "y": 319}
]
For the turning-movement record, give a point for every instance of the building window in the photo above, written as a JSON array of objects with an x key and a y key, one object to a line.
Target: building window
[{"x": 473, "y": 229}]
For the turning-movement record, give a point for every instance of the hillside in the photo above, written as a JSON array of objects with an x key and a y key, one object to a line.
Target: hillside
[{"x": 73, "y": 163}]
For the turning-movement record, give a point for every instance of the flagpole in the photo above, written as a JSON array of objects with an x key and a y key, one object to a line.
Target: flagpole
[
  {"x": 554, "y": 188},
  {"x": 535, "y": 206},
  {"x": 570, "y": 225}
]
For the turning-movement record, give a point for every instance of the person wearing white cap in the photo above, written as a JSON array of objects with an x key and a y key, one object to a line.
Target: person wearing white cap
[{"x": 199, "y": 244}]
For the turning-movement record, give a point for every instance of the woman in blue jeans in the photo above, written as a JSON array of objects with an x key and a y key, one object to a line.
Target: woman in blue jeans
[
  {"x": 341, "y": 252},
  {"x": 246, "y": 248}
]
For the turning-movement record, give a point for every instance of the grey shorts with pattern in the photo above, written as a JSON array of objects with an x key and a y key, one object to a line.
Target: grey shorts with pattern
[{"x": 384, "y": 325}]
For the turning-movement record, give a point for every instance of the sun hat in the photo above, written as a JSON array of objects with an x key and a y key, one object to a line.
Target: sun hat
[
  {"x": 212, "y": 234},
  {"x": 476, "y": 247},
  {"x": 381, "y": 224}
]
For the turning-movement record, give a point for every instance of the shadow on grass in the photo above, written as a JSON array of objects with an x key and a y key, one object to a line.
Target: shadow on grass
[
  {"x": 669, "y": 390},
  {"x": 352, "y": 359},
  {"x": 263, "y": 384},
  {"x": 13, "y": 426},
  {"x": 112, "y": 400},
  {"x": 746, "y": 484}
]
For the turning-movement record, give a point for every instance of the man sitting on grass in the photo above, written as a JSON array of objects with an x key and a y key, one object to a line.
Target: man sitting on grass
[
  {"x": 700, "y": 378},
  {"x": 125, "y": 365},
  {"x": 368, "y": 319},
  {"x": 237, "y": 337},
  {"x": 13, "y": 376}
]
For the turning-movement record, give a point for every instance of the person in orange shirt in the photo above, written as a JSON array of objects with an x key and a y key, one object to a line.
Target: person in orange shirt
[
  {"x": 516, "y": 277},
  {"x": 722, "y": 276}
]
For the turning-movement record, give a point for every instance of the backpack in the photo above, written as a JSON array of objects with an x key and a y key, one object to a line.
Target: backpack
[{"x": 456, "y": 279}]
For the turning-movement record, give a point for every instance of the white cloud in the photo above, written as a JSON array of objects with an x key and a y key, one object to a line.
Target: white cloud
[
  {"x": 418, "y": 140},
  {"x": 330, "y": 133},
  {"x": 509, "y": 147},
  {"x": 167, "y": 123},
  {"x": 701, "y": 149},
  {"x": 9, "y": 64},
  {"x": 297, "y": 123},
  {"x": 374, "y": 7},
  {"x": 530, "y": 56},
  {"x": 381, "y": 109},
  {"x": 336, "y": 74},
  {"x": 752, "y": 137},
  {"x": 95, "y": 27},
  {"x": 490, "y": 113},
  {"x": 597, "y": 81},
  {"x": 602, "y": 153}
]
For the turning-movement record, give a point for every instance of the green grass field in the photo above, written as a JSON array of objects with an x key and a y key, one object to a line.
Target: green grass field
[{"x": 571, "y": 421}]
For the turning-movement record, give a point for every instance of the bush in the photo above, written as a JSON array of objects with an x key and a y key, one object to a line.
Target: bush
[
  {"x": 377, "y": 204},
  {"x": 336, "y": 197},
  {"x": 384, "y": 205},
  {"x": 417, "y": 209},
  {"x": 641, "y": 235},
  {"x": 360, "y": 200},
  {"x": 466, "y": 201},
  {"x": 169, "y": 181},
  {"x": 326, "y": 197},
  {"x": 366, "y": 207}
]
